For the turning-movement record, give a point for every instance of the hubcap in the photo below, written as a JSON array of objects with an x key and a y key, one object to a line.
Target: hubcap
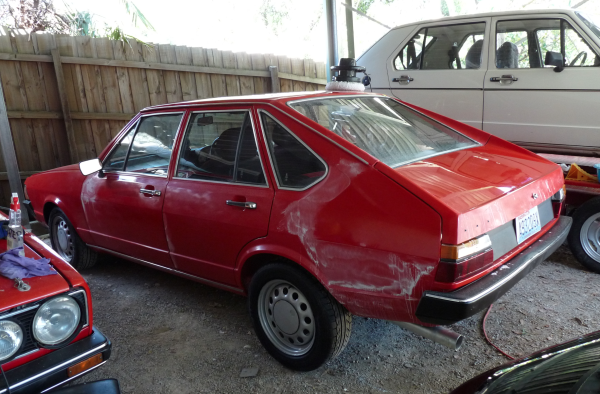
[
  {"x": 286, "y": 317},
  {"x": 590, "y": 237},
  {"x": 62, "y": 239}
]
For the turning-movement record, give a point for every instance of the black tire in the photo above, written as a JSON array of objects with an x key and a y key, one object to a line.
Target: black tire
[
  {"x": 66, "y": 242},
  {"x": 586, "y": 250},
  {"x": 331, "y": 322}
]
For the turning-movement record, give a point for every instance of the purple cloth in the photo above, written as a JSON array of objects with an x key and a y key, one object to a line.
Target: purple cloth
[{"x": 14, "y": 266}]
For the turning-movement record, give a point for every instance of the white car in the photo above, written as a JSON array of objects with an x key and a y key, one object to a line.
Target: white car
[{"x": 489, "y": 71}]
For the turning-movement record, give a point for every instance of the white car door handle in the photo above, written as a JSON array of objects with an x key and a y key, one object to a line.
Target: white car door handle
[
  {"x": 505, "y": 79},
  {"x": 403, "y": 80},
  {"x": 247, "y": 204},
  {"x": 151, "y": 192}
]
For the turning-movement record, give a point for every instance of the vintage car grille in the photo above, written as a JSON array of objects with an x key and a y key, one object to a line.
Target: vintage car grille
[
  {"x": 504, "y": 238},
  {"x": 25, "y": 320},
  {"x": 572, "y": 371}
]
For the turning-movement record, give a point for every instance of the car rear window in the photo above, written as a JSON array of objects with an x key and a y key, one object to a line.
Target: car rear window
[{"x": 384, "y": 128}]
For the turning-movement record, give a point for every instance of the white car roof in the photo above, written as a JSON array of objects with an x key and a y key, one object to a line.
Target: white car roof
[{"x": 491, "y": 14}]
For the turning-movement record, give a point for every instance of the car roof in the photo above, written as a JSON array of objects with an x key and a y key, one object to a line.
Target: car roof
[
  {"x": 257, "y": 98},
  {"x": 490, "y": 14}
]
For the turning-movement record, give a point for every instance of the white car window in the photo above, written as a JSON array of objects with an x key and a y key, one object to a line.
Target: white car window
[
  {"x": 524, "y": 44},
  {"x": 446, "y": 47}
]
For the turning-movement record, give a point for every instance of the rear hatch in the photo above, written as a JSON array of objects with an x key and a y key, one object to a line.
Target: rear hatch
[{"x": 480, "y": 189}]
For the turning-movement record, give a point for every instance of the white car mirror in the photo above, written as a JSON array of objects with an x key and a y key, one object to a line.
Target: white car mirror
[{"x": 90, "y": 166}]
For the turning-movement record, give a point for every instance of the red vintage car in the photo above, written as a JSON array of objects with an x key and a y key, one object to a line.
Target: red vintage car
[
  {"x": 47, "y": 336},
  {"x": 317, "y": 206}
]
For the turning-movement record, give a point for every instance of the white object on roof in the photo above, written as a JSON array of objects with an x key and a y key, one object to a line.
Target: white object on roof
[{"x": 342, "y": 86}]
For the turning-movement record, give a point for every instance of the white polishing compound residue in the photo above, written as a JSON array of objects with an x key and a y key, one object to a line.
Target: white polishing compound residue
[{"x": 342, "y": 86}]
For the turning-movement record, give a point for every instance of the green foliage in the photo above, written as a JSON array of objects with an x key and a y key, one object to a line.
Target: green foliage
[
  {"x": 274, "y": 13},
  {"x": 137, "y": 17},
  {"x": 364, "y": 5},
  {"x": 444, "y": 8}
]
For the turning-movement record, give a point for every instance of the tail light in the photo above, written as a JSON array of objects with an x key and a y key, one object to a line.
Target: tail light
[
  {"x": 558, "y": 199},
  {"x": 461, "y": 261}
]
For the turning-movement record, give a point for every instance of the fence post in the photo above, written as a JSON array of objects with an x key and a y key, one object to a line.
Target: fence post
[
  {"x": 10, "y": 157},
  {"x": 275, "y": 85},
  {"x": 64, "y": 104}
]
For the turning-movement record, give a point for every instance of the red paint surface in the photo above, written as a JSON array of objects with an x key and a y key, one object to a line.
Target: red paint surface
[{"x": 369, "y": 233}]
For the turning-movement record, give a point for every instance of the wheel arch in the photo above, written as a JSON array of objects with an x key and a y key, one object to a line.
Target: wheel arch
[{"x": 253, "y": 258}]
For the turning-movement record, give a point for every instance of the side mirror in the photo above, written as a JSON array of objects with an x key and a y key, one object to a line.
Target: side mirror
[
  {"x": 555, "y": 59},
  {"x": 90, "y": 166}
]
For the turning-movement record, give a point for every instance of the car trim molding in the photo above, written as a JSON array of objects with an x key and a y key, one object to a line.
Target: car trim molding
[
  {"x": 87, "y": 309},
  {"x": 74, "y": 377},
  {"x": 50, "y": 370},
  {"x": 169, "y": 270},
  {"x": 299, "y": 140}
]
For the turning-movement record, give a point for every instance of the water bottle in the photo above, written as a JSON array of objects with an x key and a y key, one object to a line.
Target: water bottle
[{"x": 15, "y": 230}]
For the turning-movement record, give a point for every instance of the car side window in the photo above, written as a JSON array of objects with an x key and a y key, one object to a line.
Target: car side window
[
  {"x": 296, "y": 166},
  {"x": 116, "y": 159},
  {"x": 152, "y": 144},
  {"x": 445, "y": 44},
  {"x": 524, "y": 44},
  {"x": 221, "y": 146},
  {"x": 409, "y": 57}
]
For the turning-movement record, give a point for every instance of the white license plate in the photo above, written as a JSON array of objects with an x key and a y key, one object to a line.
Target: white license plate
[{"x": 528, "y": 224}]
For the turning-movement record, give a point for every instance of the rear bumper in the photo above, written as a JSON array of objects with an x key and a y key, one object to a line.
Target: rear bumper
[
  {"x": 49, "y": 371},
  {"x": 448, "y": 308}
]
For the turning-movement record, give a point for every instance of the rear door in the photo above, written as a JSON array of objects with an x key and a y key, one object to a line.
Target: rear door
[
  {"x": 531, "y": 104},
  {"x": 123, "y": 204},
  {"x": 446, "y": 77},
  {"x": 219, "y": 198}
]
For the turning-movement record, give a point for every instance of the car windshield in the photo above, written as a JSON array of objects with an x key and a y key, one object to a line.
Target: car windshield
[
  {"x": 384, "y": 128},
  {"x": 591, "y": 21}
]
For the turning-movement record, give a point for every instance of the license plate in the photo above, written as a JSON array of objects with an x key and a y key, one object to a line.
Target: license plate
[{"x": 528, "y": 224}]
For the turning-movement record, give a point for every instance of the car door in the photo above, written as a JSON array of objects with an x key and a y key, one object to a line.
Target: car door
[
  {"x": 123, "y": 203},
  {"x": 531, "y": 104},
  {"x": 446, "y": 77},
  {"x": 219, "y": 198}
]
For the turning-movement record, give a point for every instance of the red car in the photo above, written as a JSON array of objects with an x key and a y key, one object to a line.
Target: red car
[
  {"x": 317, "y": 206},
  {"x": 47, "y": 337}
]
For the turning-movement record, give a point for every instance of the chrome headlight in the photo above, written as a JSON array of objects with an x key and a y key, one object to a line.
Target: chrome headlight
[
  {"x": 11, "y": 338},
  {"x": 56, "y": 320}
]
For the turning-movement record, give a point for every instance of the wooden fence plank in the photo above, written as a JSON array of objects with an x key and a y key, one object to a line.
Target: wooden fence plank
[
  {"x": 285, "y": 67},
  {"x": 188, "y": 82},
  {"x": 171, "y": 78},
  {"x": 219, "y": 86},
  {"x": 137, "y": 78},
  {"x": 203, "y": 82},
  {"x": 156, "y": 82},
  {"x": 261, "y": 85},
  {"x": 246, "y": 83},
  {"x": 123, "y": 78},
  {"x": 298, "y": 69},
  {"x": 232, "y": 81}
]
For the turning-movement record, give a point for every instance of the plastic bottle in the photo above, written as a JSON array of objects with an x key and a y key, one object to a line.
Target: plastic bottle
[{"x": 15, "y": 230}]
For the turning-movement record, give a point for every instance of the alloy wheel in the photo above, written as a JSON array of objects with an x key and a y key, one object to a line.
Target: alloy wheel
[
  {"x": 62, "y": 238},
  {"x": 590, "y": 236}
]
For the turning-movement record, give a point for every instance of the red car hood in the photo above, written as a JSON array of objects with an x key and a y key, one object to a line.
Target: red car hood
[
  {"x": 41, "y": 286},
  {"x": 478, "y": 189}
]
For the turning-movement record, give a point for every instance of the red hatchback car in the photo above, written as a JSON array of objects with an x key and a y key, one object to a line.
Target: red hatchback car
[
  {"x": 315, "y": 205},
  {"x": 47, "y": 336}
]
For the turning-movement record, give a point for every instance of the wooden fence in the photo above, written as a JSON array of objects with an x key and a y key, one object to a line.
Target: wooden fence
[{"x": 67, "y": 97}]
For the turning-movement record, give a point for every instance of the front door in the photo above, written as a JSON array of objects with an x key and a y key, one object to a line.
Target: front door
[
  {"x": 531, "y": 104},
  {"x": 123, "y": 204},
  {"x": 219, "y": 198},
  {"x": 446, "y": 77}
]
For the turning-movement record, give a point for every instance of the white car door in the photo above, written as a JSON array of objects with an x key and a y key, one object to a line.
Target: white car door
[
  {"x": 531, "y": 104},
  {"x": 447, "y": 77}
]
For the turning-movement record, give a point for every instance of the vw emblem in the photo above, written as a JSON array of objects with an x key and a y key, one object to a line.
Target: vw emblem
[{"x": 534, "y": 196}]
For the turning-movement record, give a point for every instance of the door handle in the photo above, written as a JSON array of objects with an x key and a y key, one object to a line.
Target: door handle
[
  {"x": 505, "y": 79},
  {"x": 247, "y": 204},
  {"x": 403, "y": 80},
  {"x": 150, "y": 192}
]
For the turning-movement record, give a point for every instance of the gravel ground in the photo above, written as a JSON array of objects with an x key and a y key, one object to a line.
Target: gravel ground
[{"x": 172, "y": 335}]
